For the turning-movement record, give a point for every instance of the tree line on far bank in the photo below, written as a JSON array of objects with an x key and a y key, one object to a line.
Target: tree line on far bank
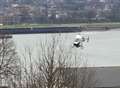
[{"x": 40, "y": 12}]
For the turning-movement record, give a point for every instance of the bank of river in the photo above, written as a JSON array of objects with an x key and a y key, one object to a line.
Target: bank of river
[{"x": 56, "y": 28}]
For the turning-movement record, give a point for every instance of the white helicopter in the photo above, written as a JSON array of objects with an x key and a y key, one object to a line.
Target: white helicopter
[{"x": 79, "y": 40}]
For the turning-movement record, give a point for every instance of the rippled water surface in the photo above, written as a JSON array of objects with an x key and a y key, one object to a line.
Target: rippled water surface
[{"x": 103, "y": 49}]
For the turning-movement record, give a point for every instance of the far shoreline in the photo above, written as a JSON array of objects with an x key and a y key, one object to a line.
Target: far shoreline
[{"x": 73, "y": 27}]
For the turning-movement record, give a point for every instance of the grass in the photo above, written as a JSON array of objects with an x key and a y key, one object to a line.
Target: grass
[
  {"x": 89, "y": 25},
  {"x": 23, "y": 26}
]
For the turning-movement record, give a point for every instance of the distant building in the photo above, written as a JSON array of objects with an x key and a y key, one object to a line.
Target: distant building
[{"x": 67, "y": 10}]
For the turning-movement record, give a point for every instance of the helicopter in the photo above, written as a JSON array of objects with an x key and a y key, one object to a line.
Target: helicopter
[{"x": 79, "y": 40}]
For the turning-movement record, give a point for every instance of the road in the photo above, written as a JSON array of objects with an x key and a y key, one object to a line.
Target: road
[{"x": 103, "y": 49}]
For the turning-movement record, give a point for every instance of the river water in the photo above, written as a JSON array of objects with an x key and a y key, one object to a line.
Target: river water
[{"x": 103, "y": 49}]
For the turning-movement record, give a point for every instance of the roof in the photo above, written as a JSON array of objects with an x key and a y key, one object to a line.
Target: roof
[
  {"x": 104, "y": 77},
  {"x": 108, "y": 76}
]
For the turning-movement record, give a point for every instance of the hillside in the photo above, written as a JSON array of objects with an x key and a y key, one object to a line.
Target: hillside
[{"x": 59, "y": 11}]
